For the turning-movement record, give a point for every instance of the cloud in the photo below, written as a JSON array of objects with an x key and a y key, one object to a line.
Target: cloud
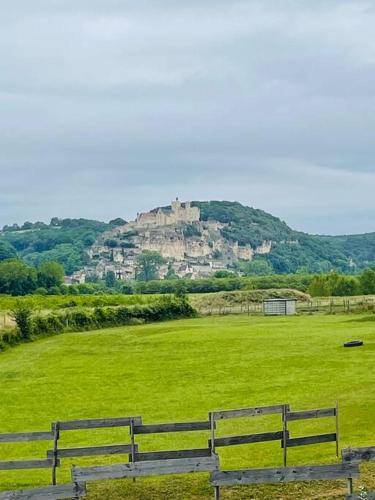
[{"x": 111, "y": 109}]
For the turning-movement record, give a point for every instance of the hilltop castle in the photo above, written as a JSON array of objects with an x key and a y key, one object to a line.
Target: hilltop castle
[{"x": 177, "y": 213}]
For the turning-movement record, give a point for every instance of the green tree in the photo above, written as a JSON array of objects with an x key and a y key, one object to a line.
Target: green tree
[
  {"x": 319, "y": 287},
  {"x": 181, "y": 290},
  {"x": 7, "y": 251},
  {"x": 367, "y": 282},
  {"x": 127, "y": 288},
  {"x": 257, "y": 267},
  {"x": 67, "y": 254},
  {"x": 55, "y": 221},
  {"x": 325, "y": 285},
  {"x": 17, "y": 278},
  {"x": 117, "y": 222},
  {"x": 22, "y": 316},
  {"x": 50, "y": 274},
  {"x": 171, "y": 273},
  {"x": 191, "y": 230},
  {"x": 111, "y": 243},
  {"x": 345, "y": 287},
  {"x": 110, "y": 279},
  {"x": 148, "y": 264},
  {"x": 223, "y": 273}
]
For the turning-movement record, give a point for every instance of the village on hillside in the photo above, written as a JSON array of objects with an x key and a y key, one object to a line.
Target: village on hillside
[{"x": 191, "y": 248}]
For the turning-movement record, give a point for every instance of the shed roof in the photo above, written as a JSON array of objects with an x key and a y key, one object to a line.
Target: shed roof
[{"x": 280, "y": 300}]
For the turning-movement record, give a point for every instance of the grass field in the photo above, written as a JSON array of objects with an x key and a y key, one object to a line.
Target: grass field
[{"x": 179, "y": 371}]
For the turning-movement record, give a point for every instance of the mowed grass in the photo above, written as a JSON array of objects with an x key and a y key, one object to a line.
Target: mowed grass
[{"x": 179, "y": 371}]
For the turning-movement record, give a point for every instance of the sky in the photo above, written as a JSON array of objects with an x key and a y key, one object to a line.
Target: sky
[{"x": 108, "y": 108}]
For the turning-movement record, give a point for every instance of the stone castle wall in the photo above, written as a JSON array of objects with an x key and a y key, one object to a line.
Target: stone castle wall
[{"x": 179, "y": 213}]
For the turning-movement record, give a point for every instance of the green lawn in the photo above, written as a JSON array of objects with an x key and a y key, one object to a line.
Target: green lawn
[{"x": 180, "y": 370}]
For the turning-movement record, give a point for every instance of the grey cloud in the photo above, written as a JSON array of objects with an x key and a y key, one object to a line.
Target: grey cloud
[{"x": 112, "y": 107}]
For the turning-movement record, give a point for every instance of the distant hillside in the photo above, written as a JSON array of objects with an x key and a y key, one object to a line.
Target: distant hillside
[
  {"x": 292, "y": 251},
  {"x": 62, "y": 240},
  {"x": 359, "y": 247},
  {"x": 239, "y": 233},
  {"x": 246, "y": 225}
]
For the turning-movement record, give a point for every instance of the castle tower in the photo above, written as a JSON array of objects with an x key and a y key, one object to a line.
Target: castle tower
[{"x": 176, "y": 205}]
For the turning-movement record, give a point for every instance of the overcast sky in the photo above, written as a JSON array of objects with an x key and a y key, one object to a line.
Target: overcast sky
[{"x": 110, "y": 107}]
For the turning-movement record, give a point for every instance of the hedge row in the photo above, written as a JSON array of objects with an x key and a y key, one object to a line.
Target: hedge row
[
  {"x": 165, "y": 308},
  {"x": 208, "y": 285}
]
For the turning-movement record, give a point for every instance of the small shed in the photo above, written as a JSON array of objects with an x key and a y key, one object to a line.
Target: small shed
[{"x": 279, "y": 307}]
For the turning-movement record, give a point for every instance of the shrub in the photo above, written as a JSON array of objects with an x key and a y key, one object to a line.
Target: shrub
[
  {"x": 82, "y": 320},
  {"x": 22, "y": 316},
  {"x": 48, "y": 325},
  {"x": 101, "y": 316}
]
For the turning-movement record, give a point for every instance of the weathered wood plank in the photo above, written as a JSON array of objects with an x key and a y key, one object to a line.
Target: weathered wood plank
[
  {"x": 358, "y": 454},
  {"x": 92, "y": 450},
  {"x": 247, "y": 412},
  {"x": 249, "y": 438},
  {"x": 172, "y": 427},
  {"x": 307, "y": 414},
  {"x": 26, "y": 464},
  {"x": 170, "y": 454},
  {"x": 96, "y": 423},
  {"x": 369, "y": 495},
  {"x": 284, "y": 474},
  {"x": 151, "y": 468},
  {"x": 306, "y": 440},
  {"x": 26, "y": 436},
  {"x": 47, "y": 493}
]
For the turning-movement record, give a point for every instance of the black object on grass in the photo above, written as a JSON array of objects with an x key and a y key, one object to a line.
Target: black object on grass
[{"x": 353, "y": 343}]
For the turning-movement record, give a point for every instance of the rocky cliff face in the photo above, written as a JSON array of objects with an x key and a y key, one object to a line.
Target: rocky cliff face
[{"x": 195, "y": 249}]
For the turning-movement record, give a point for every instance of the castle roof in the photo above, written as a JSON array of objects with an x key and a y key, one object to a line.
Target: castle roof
[{"x": 147, "y": 215}]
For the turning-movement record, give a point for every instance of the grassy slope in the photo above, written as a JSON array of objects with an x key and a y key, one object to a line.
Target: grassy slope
[{"x": 179, "y": 371}]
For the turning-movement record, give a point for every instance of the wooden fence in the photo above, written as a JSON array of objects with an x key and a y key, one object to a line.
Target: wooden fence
[
  {"x": 289, "y": 416},
  {"x": 58, "y": 427},
  {"x": 356, "y": 456},
  {"x": 142, "y": 463},
  {"x": 329, "y": 305}
]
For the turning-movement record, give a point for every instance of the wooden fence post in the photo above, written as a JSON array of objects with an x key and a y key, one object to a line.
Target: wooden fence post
[
  {"x": 56, "y": 436},
  {"x": 132, "y": 442},
  {"x": 350, "y": 486},
  {"x": 212, "y": 429},
  {"x": 337, "y": 429},
  {"x": 285, "y": 435}
]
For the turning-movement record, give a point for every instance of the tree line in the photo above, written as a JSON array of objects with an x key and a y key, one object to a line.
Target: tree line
[
  {"x": 339, "y": 285},
  {"x": 18, "y": 278}
]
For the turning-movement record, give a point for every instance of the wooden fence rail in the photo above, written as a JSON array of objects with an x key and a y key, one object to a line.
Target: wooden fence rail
[
  {"x": 98, "y": 423},
  {"x": 282, "y": 475},
  {"x": 147, "y": 468},
  {"x": 36, "y": 463},
  {"x": 59, "y": 492},
  {"x": 143, "y": 463},
  {"x": 358, "y": 454}
]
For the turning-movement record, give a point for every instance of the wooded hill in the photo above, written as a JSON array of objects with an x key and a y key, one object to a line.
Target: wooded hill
[
  {"x": 65, "y": 241},
  {"x": 292, "y": 251}
]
